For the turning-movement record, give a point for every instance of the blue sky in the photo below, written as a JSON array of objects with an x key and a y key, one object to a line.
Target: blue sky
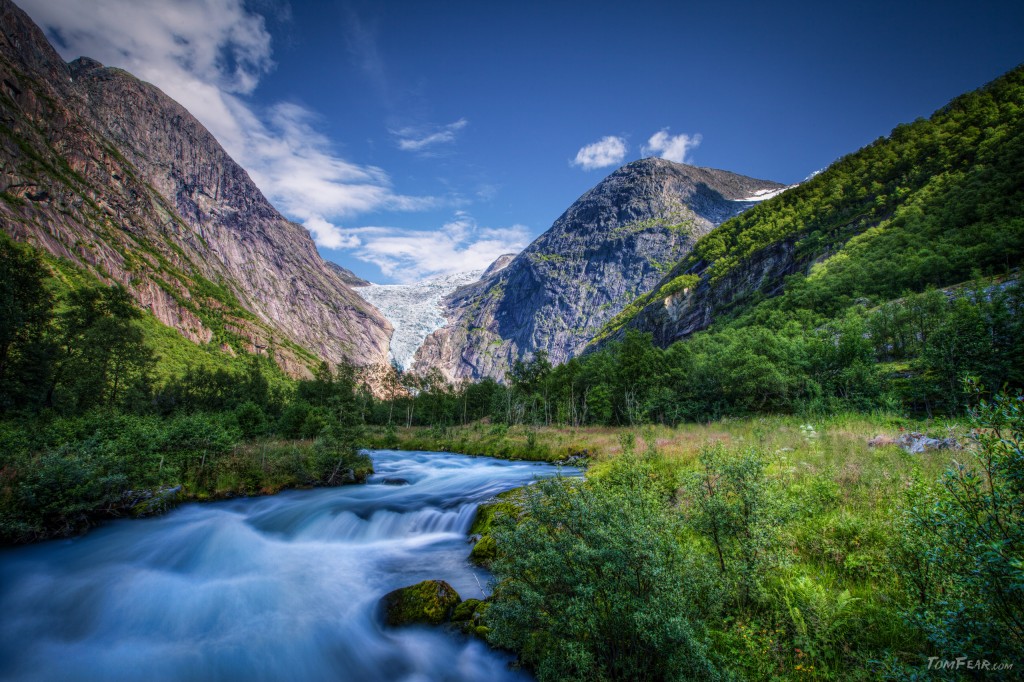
[{"x": 416, "y": 139}]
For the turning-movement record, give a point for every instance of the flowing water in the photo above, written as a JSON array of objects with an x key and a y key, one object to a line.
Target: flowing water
[{"x": 269, "y": 588}]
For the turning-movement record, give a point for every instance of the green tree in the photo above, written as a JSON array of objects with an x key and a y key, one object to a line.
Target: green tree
[
  {"x": 26, "y": 309},
  {"x": 730, "y": 502},
  {"x": 102, "y": 349}
]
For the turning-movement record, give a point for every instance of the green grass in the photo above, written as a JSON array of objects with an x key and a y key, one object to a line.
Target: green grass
[{"x": 837, "y": 497}]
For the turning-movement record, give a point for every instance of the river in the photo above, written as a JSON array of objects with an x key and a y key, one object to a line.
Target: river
[{"x": 266, "y": 588}]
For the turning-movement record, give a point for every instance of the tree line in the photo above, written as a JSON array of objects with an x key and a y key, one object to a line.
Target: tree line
[{"x": 911, "y": 355}]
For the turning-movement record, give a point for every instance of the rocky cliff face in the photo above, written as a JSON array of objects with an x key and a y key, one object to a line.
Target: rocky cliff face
[
  {"x": 104, "y": 170},
  {"x": 615, "y": 243},
  {"x": 347, "y": 276},
  {"x": 693, "y": 309}
]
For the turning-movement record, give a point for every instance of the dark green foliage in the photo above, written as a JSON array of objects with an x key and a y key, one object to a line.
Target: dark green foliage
[
  {"x": 25, "y": 313},
  {"x": 337, "y": 459},
  {"x": 963, "y": 549},
  {"x": 251, "y": 420},
  {"x": 593, "y": 584},
  {"x": 87, "y": 353},
  {"x": 101, "y": 350},
  {"x": 220, "y": 390}
]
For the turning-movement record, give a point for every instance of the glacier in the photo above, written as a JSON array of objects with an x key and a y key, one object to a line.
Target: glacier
[{"x": 414, "y": 310}]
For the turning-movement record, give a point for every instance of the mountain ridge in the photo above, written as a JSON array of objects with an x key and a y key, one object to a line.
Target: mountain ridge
[
  {"x": 943, "y": 195},
  {"x": 610, "y": 246},
  {"x": 108, "y": 172}
]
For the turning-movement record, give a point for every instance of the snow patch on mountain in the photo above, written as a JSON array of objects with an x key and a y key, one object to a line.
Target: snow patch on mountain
[
  {"x": 414, "y": 310},
  {"x": 764, "y": 194}
]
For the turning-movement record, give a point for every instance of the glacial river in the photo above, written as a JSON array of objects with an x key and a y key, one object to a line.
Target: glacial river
[{"x": 266, "y": 588}]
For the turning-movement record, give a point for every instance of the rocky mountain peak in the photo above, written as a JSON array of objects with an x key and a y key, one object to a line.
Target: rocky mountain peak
[
  {"x": 82, "y": 66},
  {"x": 500, "y": 263},
  {"x": 610, "y": 246},
  {"x": 27, "y": 47}
]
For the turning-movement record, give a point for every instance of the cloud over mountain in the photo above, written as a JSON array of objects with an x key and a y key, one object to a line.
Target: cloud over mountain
[
  {"x": 671, "y": 147},
  {"x": 608, "y": 151},
  {"x": 208, "y": 55}
]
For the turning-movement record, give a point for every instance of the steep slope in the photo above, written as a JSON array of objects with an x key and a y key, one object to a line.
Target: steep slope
[
  {"x": 610, "y": 246},
  {"x": 108, "y": 172},
  {"x": 939, "y": 202}
]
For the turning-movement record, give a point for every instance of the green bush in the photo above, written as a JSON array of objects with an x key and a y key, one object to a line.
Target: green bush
[
  {"x": 963, "y": 543},
  {"x": 251, "y": 419},
  {"x": 593, "y": 584},
  {"x": 732, "y": 504}
]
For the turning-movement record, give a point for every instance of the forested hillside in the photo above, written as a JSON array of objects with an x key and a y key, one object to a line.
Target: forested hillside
[{"x": 939, "y": 202}]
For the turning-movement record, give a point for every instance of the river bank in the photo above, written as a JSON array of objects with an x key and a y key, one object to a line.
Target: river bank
[
  {"x": 819, "y": 441},
  {"x": 276, "y": 587}
]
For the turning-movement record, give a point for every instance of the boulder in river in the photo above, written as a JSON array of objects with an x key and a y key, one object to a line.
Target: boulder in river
[{"x": 431, "y": 602}]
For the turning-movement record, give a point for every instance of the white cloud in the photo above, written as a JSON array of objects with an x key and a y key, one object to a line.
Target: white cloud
[
  {"x": 207, "y": 55},
  {"x": 671, "y": 147},
  {"x": 608, "y": 151},
  {"x": 413, "y": 255},
  {"x": 415, "y": 139},
  {"x": 329, "y": 235}
]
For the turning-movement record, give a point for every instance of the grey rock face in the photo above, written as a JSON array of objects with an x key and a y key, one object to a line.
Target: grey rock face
[
  {"x": 105, "y": 170},
  {"x": 692, "y": 310},
  {"x": 500, "y": 263},
  {"x": 613, "y": 244}
]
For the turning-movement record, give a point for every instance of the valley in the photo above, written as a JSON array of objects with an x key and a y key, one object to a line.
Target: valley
[{"x": 699, "y": 426}]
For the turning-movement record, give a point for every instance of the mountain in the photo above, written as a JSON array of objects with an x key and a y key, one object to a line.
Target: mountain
[
  {"x": 500, "y": 263},
  {"x": 612, "y": 245},
  {"x": 937, "y": 203},
  {"x": 106, "y": 171},
  {"x": 414, "y": 310},
  {"x": 347, "y": 276}
]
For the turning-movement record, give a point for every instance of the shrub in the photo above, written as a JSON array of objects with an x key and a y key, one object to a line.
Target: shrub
[
  {"x": 962, "y": 544},
  {"x": 251, "y": 420},
  {"x": 593, "y": 584},
  {"x": 732, "y": 504}
]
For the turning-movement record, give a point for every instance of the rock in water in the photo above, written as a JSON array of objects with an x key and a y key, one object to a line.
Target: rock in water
[{"x": 431, "y": 602}]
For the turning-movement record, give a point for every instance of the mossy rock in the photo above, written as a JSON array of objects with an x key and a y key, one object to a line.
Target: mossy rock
[
  {"x": 503, "y": 504},
  {"x": 153, "y": 503},
  {"x": 484, "y": 551},
  {"x": 469, "y": 618},
  {"x": 431, "y": 602},
  {"x": 465, "y": 610}
]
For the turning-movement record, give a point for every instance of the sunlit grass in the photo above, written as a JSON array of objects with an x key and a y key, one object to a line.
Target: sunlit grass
[{"x": 839, "y": 498}]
